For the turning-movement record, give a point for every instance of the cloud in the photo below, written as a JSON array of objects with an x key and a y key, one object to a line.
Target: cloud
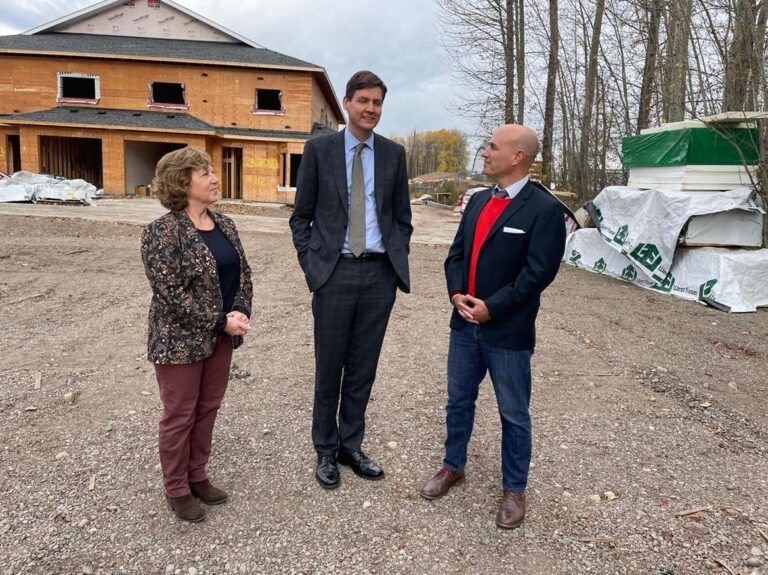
[
  {"x": 8, "y": 28},
  {"x": 398, "y": 40},
  {"x": 20, "y": 16}
]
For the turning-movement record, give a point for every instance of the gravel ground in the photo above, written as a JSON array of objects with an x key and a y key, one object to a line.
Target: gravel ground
[{"x": 649, "y": 420}]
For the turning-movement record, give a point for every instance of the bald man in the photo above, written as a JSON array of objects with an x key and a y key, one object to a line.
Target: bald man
[{"x": 506, "y": 251}]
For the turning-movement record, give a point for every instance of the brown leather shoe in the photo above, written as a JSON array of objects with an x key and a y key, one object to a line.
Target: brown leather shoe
[
  {"x": 207, "y": 493},
  {"x": 186, "y": 508},
  {"x": 511, "y": 510},
  {"x": 441, "y": 483}
]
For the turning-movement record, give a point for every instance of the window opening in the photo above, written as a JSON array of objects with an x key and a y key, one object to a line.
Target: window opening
[
  {"x": 80, "y": 88},
  {"x": 167, "y": 94},
  {"x": 268, "y": 101}
]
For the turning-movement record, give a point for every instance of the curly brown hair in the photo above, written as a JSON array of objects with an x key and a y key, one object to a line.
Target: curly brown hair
[{"x": 173, "y": 174}]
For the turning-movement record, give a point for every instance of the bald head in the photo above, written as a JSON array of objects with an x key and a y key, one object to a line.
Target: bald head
[
  {"x": 519, "y": 137},
  {"x": 510, "y": 152}
]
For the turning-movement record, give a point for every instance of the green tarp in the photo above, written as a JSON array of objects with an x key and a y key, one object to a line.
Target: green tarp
[{"x": 691, "y": 146}]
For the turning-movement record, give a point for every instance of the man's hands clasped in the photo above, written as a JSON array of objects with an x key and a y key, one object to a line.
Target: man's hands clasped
[{"x": 470, "y": 308}]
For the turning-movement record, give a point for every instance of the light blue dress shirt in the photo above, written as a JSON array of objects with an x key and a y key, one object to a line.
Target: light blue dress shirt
[
  {"x": 373, "y": 242},
  {"x": 514, "y": 189}
]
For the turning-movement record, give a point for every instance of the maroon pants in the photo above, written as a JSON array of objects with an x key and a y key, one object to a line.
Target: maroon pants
[{"x": 191, "y": 394}]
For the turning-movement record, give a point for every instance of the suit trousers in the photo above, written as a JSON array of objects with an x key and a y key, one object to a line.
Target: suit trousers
[
  {"x": 351, "y": 311},
  {"x": 191, "y": 394}
]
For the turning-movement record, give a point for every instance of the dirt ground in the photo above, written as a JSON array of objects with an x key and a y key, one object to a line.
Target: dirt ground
[{"x": 649, "y": 419}]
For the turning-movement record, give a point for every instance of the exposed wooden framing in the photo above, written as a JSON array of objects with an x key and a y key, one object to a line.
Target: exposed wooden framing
[
  {"x": 232, "y": 173},
  {"x": 73, "y": 158}
]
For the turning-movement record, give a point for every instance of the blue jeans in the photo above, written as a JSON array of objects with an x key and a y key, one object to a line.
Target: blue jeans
[{"x": 469, "y": 359}]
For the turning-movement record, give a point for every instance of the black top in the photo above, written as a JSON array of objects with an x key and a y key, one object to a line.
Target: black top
[{"x": 227, "y": 266}]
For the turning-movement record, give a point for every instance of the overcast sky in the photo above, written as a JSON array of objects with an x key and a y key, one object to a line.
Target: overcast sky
[{"x": 397, "y": 39}]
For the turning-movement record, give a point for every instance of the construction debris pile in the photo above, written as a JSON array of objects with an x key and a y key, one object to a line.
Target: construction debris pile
[
  {"x": 687, "y": 224},
  {"x": 31, "y": 187}
]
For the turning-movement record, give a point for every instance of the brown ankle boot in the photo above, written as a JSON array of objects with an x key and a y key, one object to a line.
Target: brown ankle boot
[
  {"x": 186, "y": 508},
  {"x": 207, "y": 493},
  {"x": 511, "y": 510}
]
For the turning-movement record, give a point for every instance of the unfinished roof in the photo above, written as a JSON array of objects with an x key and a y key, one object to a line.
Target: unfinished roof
[
  {"x": 147, "y": 18},
  {"x": 317, "y": 130},
  {"x": 154, "y": 49},
  {"x": 110, "y": 118}
]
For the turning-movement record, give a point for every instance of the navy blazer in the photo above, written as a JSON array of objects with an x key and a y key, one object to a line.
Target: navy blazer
[
  {"x": 320, "y": 214},
  {"x": 519, "y": 258}
]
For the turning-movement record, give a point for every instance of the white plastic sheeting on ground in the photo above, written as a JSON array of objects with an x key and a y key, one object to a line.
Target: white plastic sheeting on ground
[
  {"x": 15, "y": 193},
  {"x": 736, "y": 280},
  {"x": 644, "y": 225},
  {"x": 729, "y": 279},
  {"x": 31, "y": 187},
  {"x": 587, "y": 249}
]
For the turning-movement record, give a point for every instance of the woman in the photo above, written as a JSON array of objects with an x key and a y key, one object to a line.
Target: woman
[{"x": 201, "y": 304}]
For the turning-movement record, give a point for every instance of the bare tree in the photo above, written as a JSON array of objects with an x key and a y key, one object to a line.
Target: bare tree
[
  {"x": 584, "y": 180},
  {"x": 508, "y": 24},
  {"x": 474, "y": 35},
  {"x": 653, "y": 8},
  {"x": 744, "y": 70},
  {"x": 591, "y": 73},
  {"x": 676, "y": 69},
  {"x": 520, "y": 58},
  {"x": 486, "y": 42},
  {"x": 549, "y": 106}
]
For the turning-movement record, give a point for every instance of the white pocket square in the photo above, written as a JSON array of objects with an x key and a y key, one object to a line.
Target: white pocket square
[{"x": 507, "y": 230}]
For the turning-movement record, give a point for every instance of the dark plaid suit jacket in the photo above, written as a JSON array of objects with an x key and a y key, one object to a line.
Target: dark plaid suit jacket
[{"x": 320, "y": 215}]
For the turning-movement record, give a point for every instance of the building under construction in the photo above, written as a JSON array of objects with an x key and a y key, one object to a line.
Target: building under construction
[{"x": 103, "y": 93}]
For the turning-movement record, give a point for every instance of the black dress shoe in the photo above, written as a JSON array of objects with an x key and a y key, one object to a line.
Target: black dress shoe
[
  {"x": 327, "y": 472},
  {"x": 361, "y": 464}
]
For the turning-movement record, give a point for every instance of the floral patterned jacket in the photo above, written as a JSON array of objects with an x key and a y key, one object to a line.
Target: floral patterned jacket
[{"x": 186, "y": 297}]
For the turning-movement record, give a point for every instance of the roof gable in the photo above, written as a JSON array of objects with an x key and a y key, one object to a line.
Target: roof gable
[{"x": 144, "y": 19}]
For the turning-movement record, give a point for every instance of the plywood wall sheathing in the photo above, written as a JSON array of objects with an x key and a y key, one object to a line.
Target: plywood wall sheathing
[{"x": 221, "y": 96}]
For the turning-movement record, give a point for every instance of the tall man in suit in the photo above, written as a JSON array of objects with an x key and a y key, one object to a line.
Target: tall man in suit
[
  {"x": 351, "y": 227},
  {"x": 506, "y": 251}
]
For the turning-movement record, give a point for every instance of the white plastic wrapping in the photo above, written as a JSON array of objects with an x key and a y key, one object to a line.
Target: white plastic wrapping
[
  {"x": 41, "y": 187},
  {"x": 734, "y": 280},
  {"x": 644, "y": 225}
]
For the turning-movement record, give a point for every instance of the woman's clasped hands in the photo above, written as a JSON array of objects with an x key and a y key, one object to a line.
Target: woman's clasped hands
[{"x": 237, "y": 323}]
